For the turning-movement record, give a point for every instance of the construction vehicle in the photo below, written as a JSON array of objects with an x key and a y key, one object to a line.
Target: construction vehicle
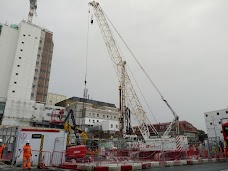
[
  {"x": 79, "y": 145},
  {"x": 80, "y": 135},
  {"x": 129, "y": 100}
]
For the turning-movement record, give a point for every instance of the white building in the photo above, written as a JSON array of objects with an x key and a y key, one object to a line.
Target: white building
[
  {"x": 52, "y": 98},
  {"x": 214, "y": 121},
  {"x": 25, "y": 63},
  {"x": 89, "y": 113}
]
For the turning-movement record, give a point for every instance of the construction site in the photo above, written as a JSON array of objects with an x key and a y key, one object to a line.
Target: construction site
[{"x": 61, "y": 143}]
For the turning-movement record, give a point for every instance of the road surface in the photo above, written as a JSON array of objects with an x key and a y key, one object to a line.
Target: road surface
[{"x": 200, "y": 167}]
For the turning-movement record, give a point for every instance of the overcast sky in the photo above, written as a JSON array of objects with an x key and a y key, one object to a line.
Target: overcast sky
[{"x": 181, "y": 44}]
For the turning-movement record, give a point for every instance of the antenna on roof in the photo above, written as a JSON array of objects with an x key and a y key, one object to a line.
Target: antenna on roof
[{"x": 32, "y": 10}]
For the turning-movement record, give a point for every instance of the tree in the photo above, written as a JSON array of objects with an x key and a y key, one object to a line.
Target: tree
[{"x": 202, "y": 135}]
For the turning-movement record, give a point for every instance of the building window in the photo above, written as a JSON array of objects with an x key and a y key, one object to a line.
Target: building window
[
  {"x": 116, "y": 126},
  {"x": 114, "y": 117},
  {"x": 35, "y": 37},
  {"x": 217, "y": 113},
  {"x": 29, "y": 35},
  {"x": 97, "y": 115},
  {"x": 13, "y": 91},
  {"x": 93, "y": 121},
  {"x": 15, "y": 82},
  {"x": 221, "y": 131},
  {"x": 21, "y": 49},
  {"x": 107, "y": 116},
  {"x": 89, "y": 114},
  {"x": 18, "y": 65},
  {"x": 93, "y": 114},
  {"x": 211, "y": 123},
  {"x": 206, "y": 115},
  {"x": 110, "y": 117},
  {"x": 97, "y": 120},
  {"x": 35, "y": 78},
  {"x": 39, "y": 48},
  {"x": 103, "y": 116},
  {"x": 89, "y": 120},
  {"x": 219, "y": 122},
  {"x": 32, "y": 95},
  {"x": 33, "y": 86},
  {"x": 24, "y": 35},
  {"x": 226, "y": 111},
  {"x": 16, "y": 73},
  {"x": 19, "y": 57},
  {"x": 36, "y": 70},
  {"x": 22, "y": 42},
  {"x": 111, "y": 125}
]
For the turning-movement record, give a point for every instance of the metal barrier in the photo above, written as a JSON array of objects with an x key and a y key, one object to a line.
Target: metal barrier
[
  {"x": 41, "y": 159},
  {"x": 104, "y": 152}
]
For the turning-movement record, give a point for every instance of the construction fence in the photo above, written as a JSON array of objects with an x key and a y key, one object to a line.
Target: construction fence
[{"x": 104, "y": 152}]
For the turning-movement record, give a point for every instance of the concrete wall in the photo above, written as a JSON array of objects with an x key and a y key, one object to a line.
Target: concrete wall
[
  {"x": 8, "y": 45},
  {"x": 22, "y": 112},
  {"x": 52, "y": 99}
]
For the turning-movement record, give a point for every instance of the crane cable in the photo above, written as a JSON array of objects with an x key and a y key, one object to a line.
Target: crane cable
[
  {"x": 87, "y": 49},
  {"x": 151, "y": 81}
]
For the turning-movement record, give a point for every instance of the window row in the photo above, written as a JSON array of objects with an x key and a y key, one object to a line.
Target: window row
[
  {"x": 30, "y": 36},
  {"x": 104, "y": 116},
  {"x": 217, "y": 113},
  {"x": 212, "y": 123}
]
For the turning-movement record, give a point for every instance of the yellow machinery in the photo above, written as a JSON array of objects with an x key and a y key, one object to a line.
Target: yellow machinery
[{"x": 70, "y": 129}]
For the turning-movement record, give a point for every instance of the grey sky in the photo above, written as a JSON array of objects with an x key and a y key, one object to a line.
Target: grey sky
[{"x": 182, "y": 45}]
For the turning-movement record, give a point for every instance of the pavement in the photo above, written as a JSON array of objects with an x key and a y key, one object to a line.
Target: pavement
[{"x": 199, "y": 167}]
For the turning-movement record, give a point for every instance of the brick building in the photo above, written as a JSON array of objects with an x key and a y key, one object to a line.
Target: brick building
[{"x": 185, "y": 128}]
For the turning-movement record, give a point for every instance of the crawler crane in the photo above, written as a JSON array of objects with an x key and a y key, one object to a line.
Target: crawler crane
[{"x": 130, "y": 101}]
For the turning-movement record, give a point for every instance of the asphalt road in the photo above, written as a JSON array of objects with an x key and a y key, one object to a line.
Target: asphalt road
[{"x": 201, "y": 167}]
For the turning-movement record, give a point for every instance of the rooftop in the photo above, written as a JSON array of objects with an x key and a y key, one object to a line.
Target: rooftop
[{"x": 94, "y": 102}]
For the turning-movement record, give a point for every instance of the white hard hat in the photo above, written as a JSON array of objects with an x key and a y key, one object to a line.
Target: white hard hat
[
  {"x": 27, "y": 142},
  {"x": 0, "y": 140}
]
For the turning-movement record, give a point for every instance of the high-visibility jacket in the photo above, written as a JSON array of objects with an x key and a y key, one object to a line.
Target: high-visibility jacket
[
  {"x": 2, "y": 148},
  {"x": 27, "y": 150}
]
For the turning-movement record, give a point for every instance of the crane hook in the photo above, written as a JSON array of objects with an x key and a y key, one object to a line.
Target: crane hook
[{"x": 91, "y": 19}]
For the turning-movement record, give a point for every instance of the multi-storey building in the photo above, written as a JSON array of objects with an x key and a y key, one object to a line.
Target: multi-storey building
[
  {"x": 52, "y": 98},
  {"x": 25, "y": 64},
  {"x": 214, "y": 121},
  {"x": 91, "y": 112}
]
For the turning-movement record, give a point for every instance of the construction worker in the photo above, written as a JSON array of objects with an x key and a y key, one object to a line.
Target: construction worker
[
  {"x": 1, "y": 148},
  {"x": 27, "y": 153}
]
